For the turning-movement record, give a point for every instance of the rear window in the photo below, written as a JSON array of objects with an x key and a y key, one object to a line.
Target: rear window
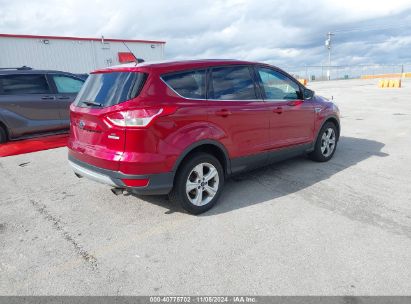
[
  {"x": 108, "y": 89},
  {"x": 188, "y": 84},
  {"x": 23, "y": 84}
]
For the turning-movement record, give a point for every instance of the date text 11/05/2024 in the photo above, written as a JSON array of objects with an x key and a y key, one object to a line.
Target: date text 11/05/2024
[{"x": 203, "y": 299}]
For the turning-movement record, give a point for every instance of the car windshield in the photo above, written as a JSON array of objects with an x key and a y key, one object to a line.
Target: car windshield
[{"x": 108, "y": 89}]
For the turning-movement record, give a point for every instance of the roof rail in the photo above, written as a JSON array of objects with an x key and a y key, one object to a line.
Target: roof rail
[{"x": 20, "y": 68}]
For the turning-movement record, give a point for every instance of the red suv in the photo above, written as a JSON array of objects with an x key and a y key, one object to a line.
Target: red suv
[{"x": 180, "y": 128}]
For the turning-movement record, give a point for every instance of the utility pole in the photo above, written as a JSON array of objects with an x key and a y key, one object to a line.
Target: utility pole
[{"x": 328, "y": 46}]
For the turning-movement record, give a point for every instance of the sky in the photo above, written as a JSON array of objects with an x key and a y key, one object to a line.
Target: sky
[{"x": 284, "y": 33}]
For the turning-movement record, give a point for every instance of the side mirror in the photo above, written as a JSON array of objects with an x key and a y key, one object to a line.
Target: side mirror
[{"x": 308, "y": 94}]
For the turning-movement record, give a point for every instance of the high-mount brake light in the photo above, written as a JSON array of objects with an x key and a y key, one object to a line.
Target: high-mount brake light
[{"x": 138, "y": 117}]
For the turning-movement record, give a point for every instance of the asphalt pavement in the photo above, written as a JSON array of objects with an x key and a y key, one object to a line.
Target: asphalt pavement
[{"x": 292, "y": 228}]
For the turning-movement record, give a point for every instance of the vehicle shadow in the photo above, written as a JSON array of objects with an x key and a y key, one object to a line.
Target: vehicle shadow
[{"x": 284, "y": 178}]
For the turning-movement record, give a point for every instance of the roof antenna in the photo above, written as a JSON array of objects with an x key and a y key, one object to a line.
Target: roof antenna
[{"x": 137, "y": 59}]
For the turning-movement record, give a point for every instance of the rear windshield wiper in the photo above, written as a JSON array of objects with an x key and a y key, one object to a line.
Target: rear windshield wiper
[{"x": 92, "y": 103}]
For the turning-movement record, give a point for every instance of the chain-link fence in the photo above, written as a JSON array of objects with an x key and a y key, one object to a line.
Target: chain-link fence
[{"x": 313, "y": 73}]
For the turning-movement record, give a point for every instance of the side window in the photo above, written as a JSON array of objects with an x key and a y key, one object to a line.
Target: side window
[
  {"x": 232, "y": 83},
  {"x": 278, "y": 86},
  {"x": 24, "y": 84},
  {"x": 188, "y": 84},
  {"x": 65, "y": 84}
]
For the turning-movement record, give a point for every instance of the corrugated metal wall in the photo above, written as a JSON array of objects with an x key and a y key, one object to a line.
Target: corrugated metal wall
[{"x": 76, "y": 56}]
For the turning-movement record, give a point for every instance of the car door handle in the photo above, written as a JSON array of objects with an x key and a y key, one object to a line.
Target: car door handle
[
  {"x": 64, "y": 97},
  {"x": 48, "y": 97},
  {"x": 278, "y": 110},
  {"x": 223, "y": 113}
]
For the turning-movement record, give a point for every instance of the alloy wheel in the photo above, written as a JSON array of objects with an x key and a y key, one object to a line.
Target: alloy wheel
[
  {"x": 202, "y": 184},
  {"x": 328, "y": 142}
]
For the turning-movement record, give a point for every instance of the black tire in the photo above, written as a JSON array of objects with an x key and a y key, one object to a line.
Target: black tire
[
  {"x": 3, "y": 135},
  {"x": 318, "y": 155},
  {"x": 178, "y": 194}
]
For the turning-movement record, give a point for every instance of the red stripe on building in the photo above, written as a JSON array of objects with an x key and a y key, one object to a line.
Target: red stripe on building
[{"x": 79, "y": 38}]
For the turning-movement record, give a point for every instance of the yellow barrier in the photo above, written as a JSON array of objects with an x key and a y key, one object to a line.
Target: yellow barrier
[
  {"x": 389, "y": 83},
  {"x": 303, "y": 81},
  {"x": 393, "y": 75}
]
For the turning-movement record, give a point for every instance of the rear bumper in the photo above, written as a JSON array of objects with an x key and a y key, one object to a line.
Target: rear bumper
[{"x": 158, "y": 183}]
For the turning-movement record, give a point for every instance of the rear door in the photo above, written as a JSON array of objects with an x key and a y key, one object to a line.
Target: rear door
[
  {"x": 29, "y": 104},
  {"x": 291, "y": 118},
  {"x": 236, "y": 107},
  {"x": 66, "y": 88}
]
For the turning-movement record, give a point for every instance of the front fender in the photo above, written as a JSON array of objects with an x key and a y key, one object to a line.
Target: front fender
[{"x": 321, "y": 120}]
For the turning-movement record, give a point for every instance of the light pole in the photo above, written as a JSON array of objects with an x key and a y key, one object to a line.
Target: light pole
[{"x": 328, "y": 46}]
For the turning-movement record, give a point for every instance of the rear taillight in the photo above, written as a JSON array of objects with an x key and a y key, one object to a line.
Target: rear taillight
[{"x": 138, "y": 117}]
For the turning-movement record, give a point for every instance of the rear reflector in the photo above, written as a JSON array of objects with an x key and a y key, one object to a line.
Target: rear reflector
[{"x": 136, "y": 182}]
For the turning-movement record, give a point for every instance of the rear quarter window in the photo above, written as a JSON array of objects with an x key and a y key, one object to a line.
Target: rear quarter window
[{"x": 190, "y": 84}]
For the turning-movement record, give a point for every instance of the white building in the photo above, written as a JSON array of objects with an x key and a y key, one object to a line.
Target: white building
[{"x": 74, "y": 54}]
